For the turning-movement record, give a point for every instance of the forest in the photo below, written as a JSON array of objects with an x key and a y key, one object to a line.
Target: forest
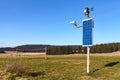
[
  {"x": 65, "y": 49},
  {"x": 100, "y": 48}
]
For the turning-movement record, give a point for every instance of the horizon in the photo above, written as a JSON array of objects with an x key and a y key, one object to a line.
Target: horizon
[{"x": 54, "y": 45}]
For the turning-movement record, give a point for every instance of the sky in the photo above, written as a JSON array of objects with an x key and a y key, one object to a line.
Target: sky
[{"x": 47, "y": 21}]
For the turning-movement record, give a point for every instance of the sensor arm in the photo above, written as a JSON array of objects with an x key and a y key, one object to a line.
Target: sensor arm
[
  {"x": 78, "y": 26},
  {"x": 75, "y": 24}
]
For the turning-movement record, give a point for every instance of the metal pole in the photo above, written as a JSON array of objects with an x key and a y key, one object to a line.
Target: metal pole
[
  {"x": 16, "y": 52},
  {"x": 88, "y": 59},
  {"x": 46, "y": 53}
]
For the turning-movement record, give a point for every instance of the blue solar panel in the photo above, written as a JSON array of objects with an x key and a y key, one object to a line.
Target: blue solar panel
[{"x": 87, "y": 32}]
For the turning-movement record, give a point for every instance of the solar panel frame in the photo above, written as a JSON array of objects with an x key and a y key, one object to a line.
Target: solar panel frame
[{"x": 88, "y": 25}]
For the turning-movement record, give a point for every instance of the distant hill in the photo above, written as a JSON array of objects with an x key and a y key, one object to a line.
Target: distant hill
[
  {"x": 64, "y": 49},
  {"x": 41, "y": 48},
  {"x": 25, "y": 48},
  {"x": 6, "y": 49},
  {"x": 31, "y": 48}
]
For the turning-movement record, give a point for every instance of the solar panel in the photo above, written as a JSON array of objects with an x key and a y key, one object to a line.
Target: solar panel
[{"x": 88, "y": 32}]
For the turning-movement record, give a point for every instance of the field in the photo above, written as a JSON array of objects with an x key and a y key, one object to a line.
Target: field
[{"x": 64, "y": 67}]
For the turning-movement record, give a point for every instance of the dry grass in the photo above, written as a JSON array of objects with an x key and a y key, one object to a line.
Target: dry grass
[
  {"x": 16, "y": 68},
  {"x": 68, "y": 67},
  {"x": 14, "y": 53}
]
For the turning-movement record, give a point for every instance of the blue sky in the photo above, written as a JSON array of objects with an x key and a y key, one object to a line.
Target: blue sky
[{"x": 47, "y": 21}]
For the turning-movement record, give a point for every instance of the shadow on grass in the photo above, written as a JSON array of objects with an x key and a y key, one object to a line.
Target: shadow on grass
[
  {"x": 35, "y": 74},
  {"x": 111, "y": 64}
]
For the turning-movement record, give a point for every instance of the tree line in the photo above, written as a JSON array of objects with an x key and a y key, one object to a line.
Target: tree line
[
  {"x": 100, "y": 48},
  {"x": 58, "y": 50},
  {"x": 105, "y": 48},
  {"x": 66, "y": 49}
]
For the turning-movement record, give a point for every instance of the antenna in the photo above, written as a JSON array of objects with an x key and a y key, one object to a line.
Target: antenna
[{"x": 92, "y": 9}]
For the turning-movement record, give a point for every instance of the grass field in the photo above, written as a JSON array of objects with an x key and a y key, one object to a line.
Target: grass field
[{"x": 65, "y": 67}]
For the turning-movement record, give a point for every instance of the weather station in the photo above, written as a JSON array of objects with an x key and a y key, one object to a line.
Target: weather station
[{"x": 88, "y": 25}]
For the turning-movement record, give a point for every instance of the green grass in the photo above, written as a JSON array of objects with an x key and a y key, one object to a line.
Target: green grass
[{"x": 67, "y": 67}]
